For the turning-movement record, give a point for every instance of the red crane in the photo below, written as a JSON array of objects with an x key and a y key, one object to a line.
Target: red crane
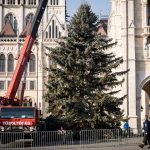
[
  {"x": 24, "y": 55},
  {"x": 11, "y": 111}
]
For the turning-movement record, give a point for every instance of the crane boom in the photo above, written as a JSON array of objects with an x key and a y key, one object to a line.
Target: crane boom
[
  {"x": 21, "y": 118},
  {"x": 26, "y": 51}
]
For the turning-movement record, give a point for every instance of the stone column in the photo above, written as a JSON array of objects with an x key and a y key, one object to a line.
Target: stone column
[
  {"x": 131, "y": 65},
  {"x": 1, "y": 18},
  {"x": 144, "y": 14},
  {"x": 37, "y": 2},
  {"x": 40, "y": 82},
  {"x": 124, "y": 54},
  {"x": 21, "y": 23}
]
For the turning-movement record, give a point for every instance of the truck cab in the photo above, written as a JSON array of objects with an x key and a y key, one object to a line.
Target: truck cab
[{"x": 18, "y": 118}]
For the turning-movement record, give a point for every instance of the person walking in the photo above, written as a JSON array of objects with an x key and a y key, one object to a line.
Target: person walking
[
  {"x": 126, "y": 128},
  {"x": 146, "y": 129}
]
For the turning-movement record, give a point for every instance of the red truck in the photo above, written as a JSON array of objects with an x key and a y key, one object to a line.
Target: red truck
[
  {"x": 14, "y": 116},
  {"x": 18, "y": 119}
]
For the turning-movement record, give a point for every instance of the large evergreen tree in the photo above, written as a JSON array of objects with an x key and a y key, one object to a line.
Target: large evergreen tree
[{"x": 81, "y": 84}]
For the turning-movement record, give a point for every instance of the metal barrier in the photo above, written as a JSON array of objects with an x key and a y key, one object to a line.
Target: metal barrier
[
  {"x": 110, "y": 137},
  {"x": 37, "y": 140},
  {"x": 55, "y": 140},
  {"x": 100, "y": 136},
  {"x": 131, "y": 136}
]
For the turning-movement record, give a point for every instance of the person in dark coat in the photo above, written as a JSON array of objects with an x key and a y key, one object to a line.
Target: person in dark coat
[{"x": 146, "y": 130}]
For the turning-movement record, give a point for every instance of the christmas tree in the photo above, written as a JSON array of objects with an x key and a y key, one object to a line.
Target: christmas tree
[{"x": 82, "y": 81}]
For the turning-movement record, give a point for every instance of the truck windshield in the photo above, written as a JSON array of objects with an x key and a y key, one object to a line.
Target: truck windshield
[{"x": 17, "y": 113}]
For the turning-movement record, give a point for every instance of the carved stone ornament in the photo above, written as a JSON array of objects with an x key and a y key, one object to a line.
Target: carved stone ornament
[{"x": 144, "y": 2}]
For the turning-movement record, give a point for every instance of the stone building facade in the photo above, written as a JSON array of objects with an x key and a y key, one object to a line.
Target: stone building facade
[
  {"x": 102, "y": 27},
  {"x": 15, "y": 17},
  {"x": 129, "y": 25}
]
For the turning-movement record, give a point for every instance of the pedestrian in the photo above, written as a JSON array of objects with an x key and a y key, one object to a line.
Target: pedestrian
[
  {"x": 126, "y": 128},
  {"x": 146, "y": 130},
  {"x": 62, "y": 134}
]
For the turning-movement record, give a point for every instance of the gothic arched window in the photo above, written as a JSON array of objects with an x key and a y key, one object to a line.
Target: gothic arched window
[
  {"x": 32, "y": 63},
  {"x": 2, "y": 63},
  {"x": 9, "y": 17},
  {"x": 13, "y": 21},
  {"x": 59, "y": 34},
  {"x": 18, "y": 2},
  {"x": 53, "y": 31},
  {"x": 54, "y": 2},
  {"x": 29, "y": 18},
  {"x": 148, "y": 12},
  {"x": 32, "y": 2},
  {"x": 56, "y": 31},
  {"x": 3, "y": 1},
  {"x": 53, "y": 28},
  {"x": 15, "y": 24},
  {"x": 10, "y": 63},
  {"x": 10, "y": 2},
  {"x": 49, "y": 31},
  {"x": 51, "y": 2}
]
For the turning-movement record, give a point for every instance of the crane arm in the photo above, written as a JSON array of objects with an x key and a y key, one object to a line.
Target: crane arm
[{"x": 26, "y": 51}]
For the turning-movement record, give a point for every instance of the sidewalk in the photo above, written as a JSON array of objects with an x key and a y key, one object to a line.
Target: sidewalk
[
  {"x": 120, "y": 147},
  {"x": 123, "y": 147}
]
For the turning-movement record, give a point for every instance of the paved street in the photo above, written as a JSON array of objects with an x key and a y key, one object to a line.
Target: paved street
[
  {"x": 121, "y": 147},
  {"x": 76, "y": 146}
]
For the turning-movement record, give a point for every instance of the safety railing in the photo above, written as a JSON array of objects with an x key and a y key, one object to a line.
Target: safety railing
[
  {"x": 110, "y": 137},
  {"x": 57, "y": 140},
  {"x": 41, "y": 140}
]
